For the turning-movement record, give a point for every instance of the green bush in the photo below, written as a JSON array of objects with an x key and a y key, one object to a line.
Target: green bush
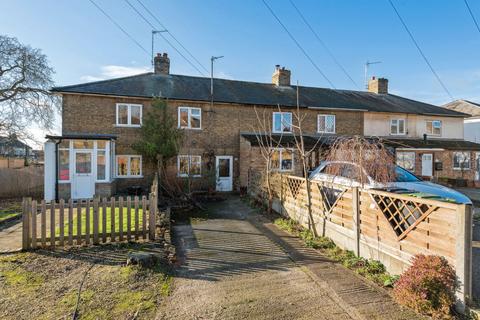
[{"x": 428, "y": 286}]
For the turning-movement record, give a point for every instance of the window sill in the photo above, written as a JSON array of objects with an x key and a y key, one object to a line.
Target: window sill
[
  {"x": 398, "y": 134},
  {"x": 128, "y": 126},
  {"x": 461, "y": 169},
  {"x": 129, "y": 177},
  {"x": 187, "y": 128},
  {"x": 186, "y": 176},
  {"x": 325, "y": 132},
  {"x": 284, "y": 132}
]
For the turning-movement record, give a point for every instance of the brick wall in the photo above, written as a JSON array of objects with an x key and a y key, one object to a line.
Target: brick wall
[{"x": 221, "y": 126}]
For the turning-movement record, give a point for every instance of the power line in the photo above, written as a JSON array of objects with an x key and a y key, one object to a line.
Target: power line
[
  {"x": 420, "y": 50},
  {"x": 471, "y": 14},
  {"x": 174, "y": 38},
  {"x": 164, "y": 38},
  {"x": 120, "y": 27},
  {"x": 323, "y": 44},
  {"x": 298, "y": 44}
]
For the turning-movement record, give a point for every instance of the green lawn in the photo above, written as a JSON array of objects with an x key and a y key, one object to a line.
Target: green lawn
[
  {"x": 100, "y": 221},
  {"x": 8, "y": 210}
]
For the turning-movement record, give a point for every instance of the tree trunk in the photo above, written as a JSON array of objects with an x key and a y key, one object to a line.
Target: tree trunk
[
  {"x": 311, "y": 222},
  {"x": 160, "y": 166}
]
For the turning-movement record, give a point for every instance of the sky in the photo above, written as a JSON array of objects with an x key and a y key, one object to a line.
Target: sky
[{"x": 83, "y": 45}]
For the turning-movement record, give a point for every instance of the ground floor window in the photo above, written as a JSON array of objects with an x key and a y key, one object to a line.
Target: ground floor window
[
  {"x": 129, "y": 166},
  {"x": 282, "y": 159},
  {"x": 189, "y": 166},
  {"x": 63, "y": 164},
  {"x": 406, "y": 160},
  {"x": 461, "y": 160}
]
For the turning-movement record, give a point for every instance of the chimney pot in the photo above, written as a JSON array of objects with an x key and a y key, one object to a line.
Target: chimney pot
[
  {"x": 378, "y": 86},
  {"x": 281, "y": 76},
  {"x": 161, "y": 64}
]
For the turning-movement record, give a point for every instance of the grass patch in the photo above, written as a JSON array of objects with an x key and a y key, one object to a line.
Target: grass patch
[
  {"x": 108, "y": 228},
  {"x": 9, "y": 210},
  {"x": 371, "y": 269}
]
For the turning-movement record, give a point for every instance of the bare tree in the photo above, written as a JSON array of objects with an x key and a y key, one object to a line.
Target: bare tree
[
  {"x": 304, "y": 154},
  {"x": 25, "y": 80},
  {"x": 371, "y": 158},
  {"x": 268, "y": 145}
]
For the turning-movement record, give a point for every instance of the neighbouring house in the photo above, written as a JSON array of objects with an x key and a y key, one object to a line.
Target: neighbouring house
[
  {"x": 471, "y": 125},
  {"x": 13, "y": 152},
  {"x": 101, "y": 121}
]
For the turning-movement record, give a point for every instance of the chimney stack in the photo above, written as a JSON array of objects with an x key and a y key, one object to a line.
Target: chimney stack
[
  {"x": 378, "y": 86},
  {"x": 281, "y": 76},
  {"x": 161, "y": 64}
]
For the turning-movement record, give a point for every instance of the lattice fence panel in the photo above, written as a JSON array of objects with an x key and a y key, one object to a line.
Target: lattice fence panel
[
  {"x": 403, "y": 215},
  {"x": 294, "y": 186}
]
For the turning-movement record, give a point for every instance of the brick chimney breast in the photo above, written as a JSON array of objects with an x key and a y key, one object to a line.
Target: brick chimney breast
[
  {"x": 281, "y": 76},
  {"x": 378, "y": 85},
  {"x": 161, "y": 64}
]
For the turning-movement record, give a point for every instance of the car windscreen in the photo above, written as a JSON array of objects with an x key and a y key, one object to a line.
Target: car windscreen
[{"x": 402, "y": 175}]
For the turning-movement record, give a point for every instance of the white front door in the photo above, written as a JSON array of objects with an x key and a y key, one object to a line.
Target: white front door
[
  {"x": 83, "y": 184},
  {"x": 224, "y": 166},
  {"x": 427, "y": 162}
]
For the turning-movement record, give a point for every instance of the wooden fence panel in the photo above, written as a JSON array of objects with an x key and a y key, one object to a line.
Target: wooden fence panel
[{"x": 86, "y": 222}]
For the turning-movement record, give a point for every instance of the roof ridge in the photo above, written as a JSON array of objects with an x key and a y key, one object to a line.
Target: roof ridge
[{"x": 101, "y": 81}]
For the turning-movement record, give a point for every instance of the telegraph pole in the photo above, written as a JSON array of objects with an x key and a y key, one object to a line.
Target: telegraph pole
[
  {"x": 212, "y": 59},
  {"x": 154, "y": 32}
]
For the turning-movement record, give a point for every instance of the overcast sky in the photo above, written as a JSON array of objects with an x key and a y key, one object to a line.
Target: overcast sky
[{"x": 83, "y": 45}]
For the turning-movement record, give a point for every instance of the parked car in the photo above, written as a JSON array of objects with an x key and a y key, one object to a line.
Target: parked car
[{"x": 404, "y": 183}]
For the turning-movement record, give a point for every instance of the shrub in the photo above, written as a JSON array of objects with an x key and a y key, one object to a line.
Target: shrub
[{"x": 428, "y": 286}]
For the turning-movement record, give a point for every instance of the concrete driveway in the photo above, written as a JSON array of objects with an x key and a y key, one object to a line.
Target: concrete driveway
[{"x": 237, "y": 265}]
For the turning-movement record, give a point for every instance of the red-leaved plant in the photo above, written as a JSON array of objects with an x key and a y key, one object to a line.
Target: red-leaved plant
[{"x": 428, "y": 286}]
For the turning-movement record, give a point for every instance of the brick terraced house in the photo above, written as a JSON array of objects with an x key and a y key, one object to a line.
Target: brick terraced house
[{"x": 101, "y": 121}]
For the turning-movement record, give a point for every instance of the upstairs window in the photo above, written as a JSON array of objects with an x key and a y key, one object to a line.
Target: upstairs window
[
  {"x": 434, "y": 127},
  {"x": 326, "y": 123},
  {"x": 189, "y": 118},
  {"x": 129, "y": 115},
  {"x": 282, "y": 159},
  {"x": 282, "y": 122},
  {"x": 189, "y": 166},
  {"x": 397, "y": 126},
  {"x": 461, "y": 160}
]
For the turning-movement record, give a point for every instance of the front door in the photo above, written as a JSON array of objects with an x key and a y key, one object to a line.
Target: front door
[
  {"x": 83, "y": 185},
  {"x": 427, "y": 162},
  {"x": 224, "y": 166}
]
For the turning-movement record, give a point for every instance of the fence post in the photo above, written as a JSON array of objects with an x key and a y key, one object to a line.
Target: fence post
[
  {"x": 281, "y": 194},
  {"x": 356, "y": 219},
  {"x": 463, "y": 255},
  {"x": 26, "y": 208},
  {"x": 151, "y": 218}
]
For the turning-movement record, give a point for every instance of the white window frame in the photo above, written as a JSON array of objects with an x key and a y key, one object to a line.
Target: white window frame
[
  {"x": 409, "y": 153},
  {"x": 107, "y": 161},
  {"x": 334, "y": 123},
  {"x": 469, "y": 157},
  {"x": 129, "y": 115},
  {"x": 431, "y": 133},
  {"x": 184, "y": 175},
  {"x": 280, "y": 158},
  {"x": 128, "y": 175},
  {"x": 189, "y": 123},
  {"x": 282, "y": 124},
  {"x": 398, "y": 133}
]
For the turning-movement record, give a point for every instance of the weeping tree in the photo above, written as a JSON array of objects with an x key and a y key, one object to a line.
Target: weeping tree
[
  {"x": 372, "y": 158},
  {"x": 160, "y": 137}
]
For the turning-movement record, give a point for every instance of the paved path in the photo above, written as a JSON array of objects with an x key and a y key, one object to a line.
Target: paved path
[
  {"x": 11, "y": 237},
  {"x": 238, "y": 266}
]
